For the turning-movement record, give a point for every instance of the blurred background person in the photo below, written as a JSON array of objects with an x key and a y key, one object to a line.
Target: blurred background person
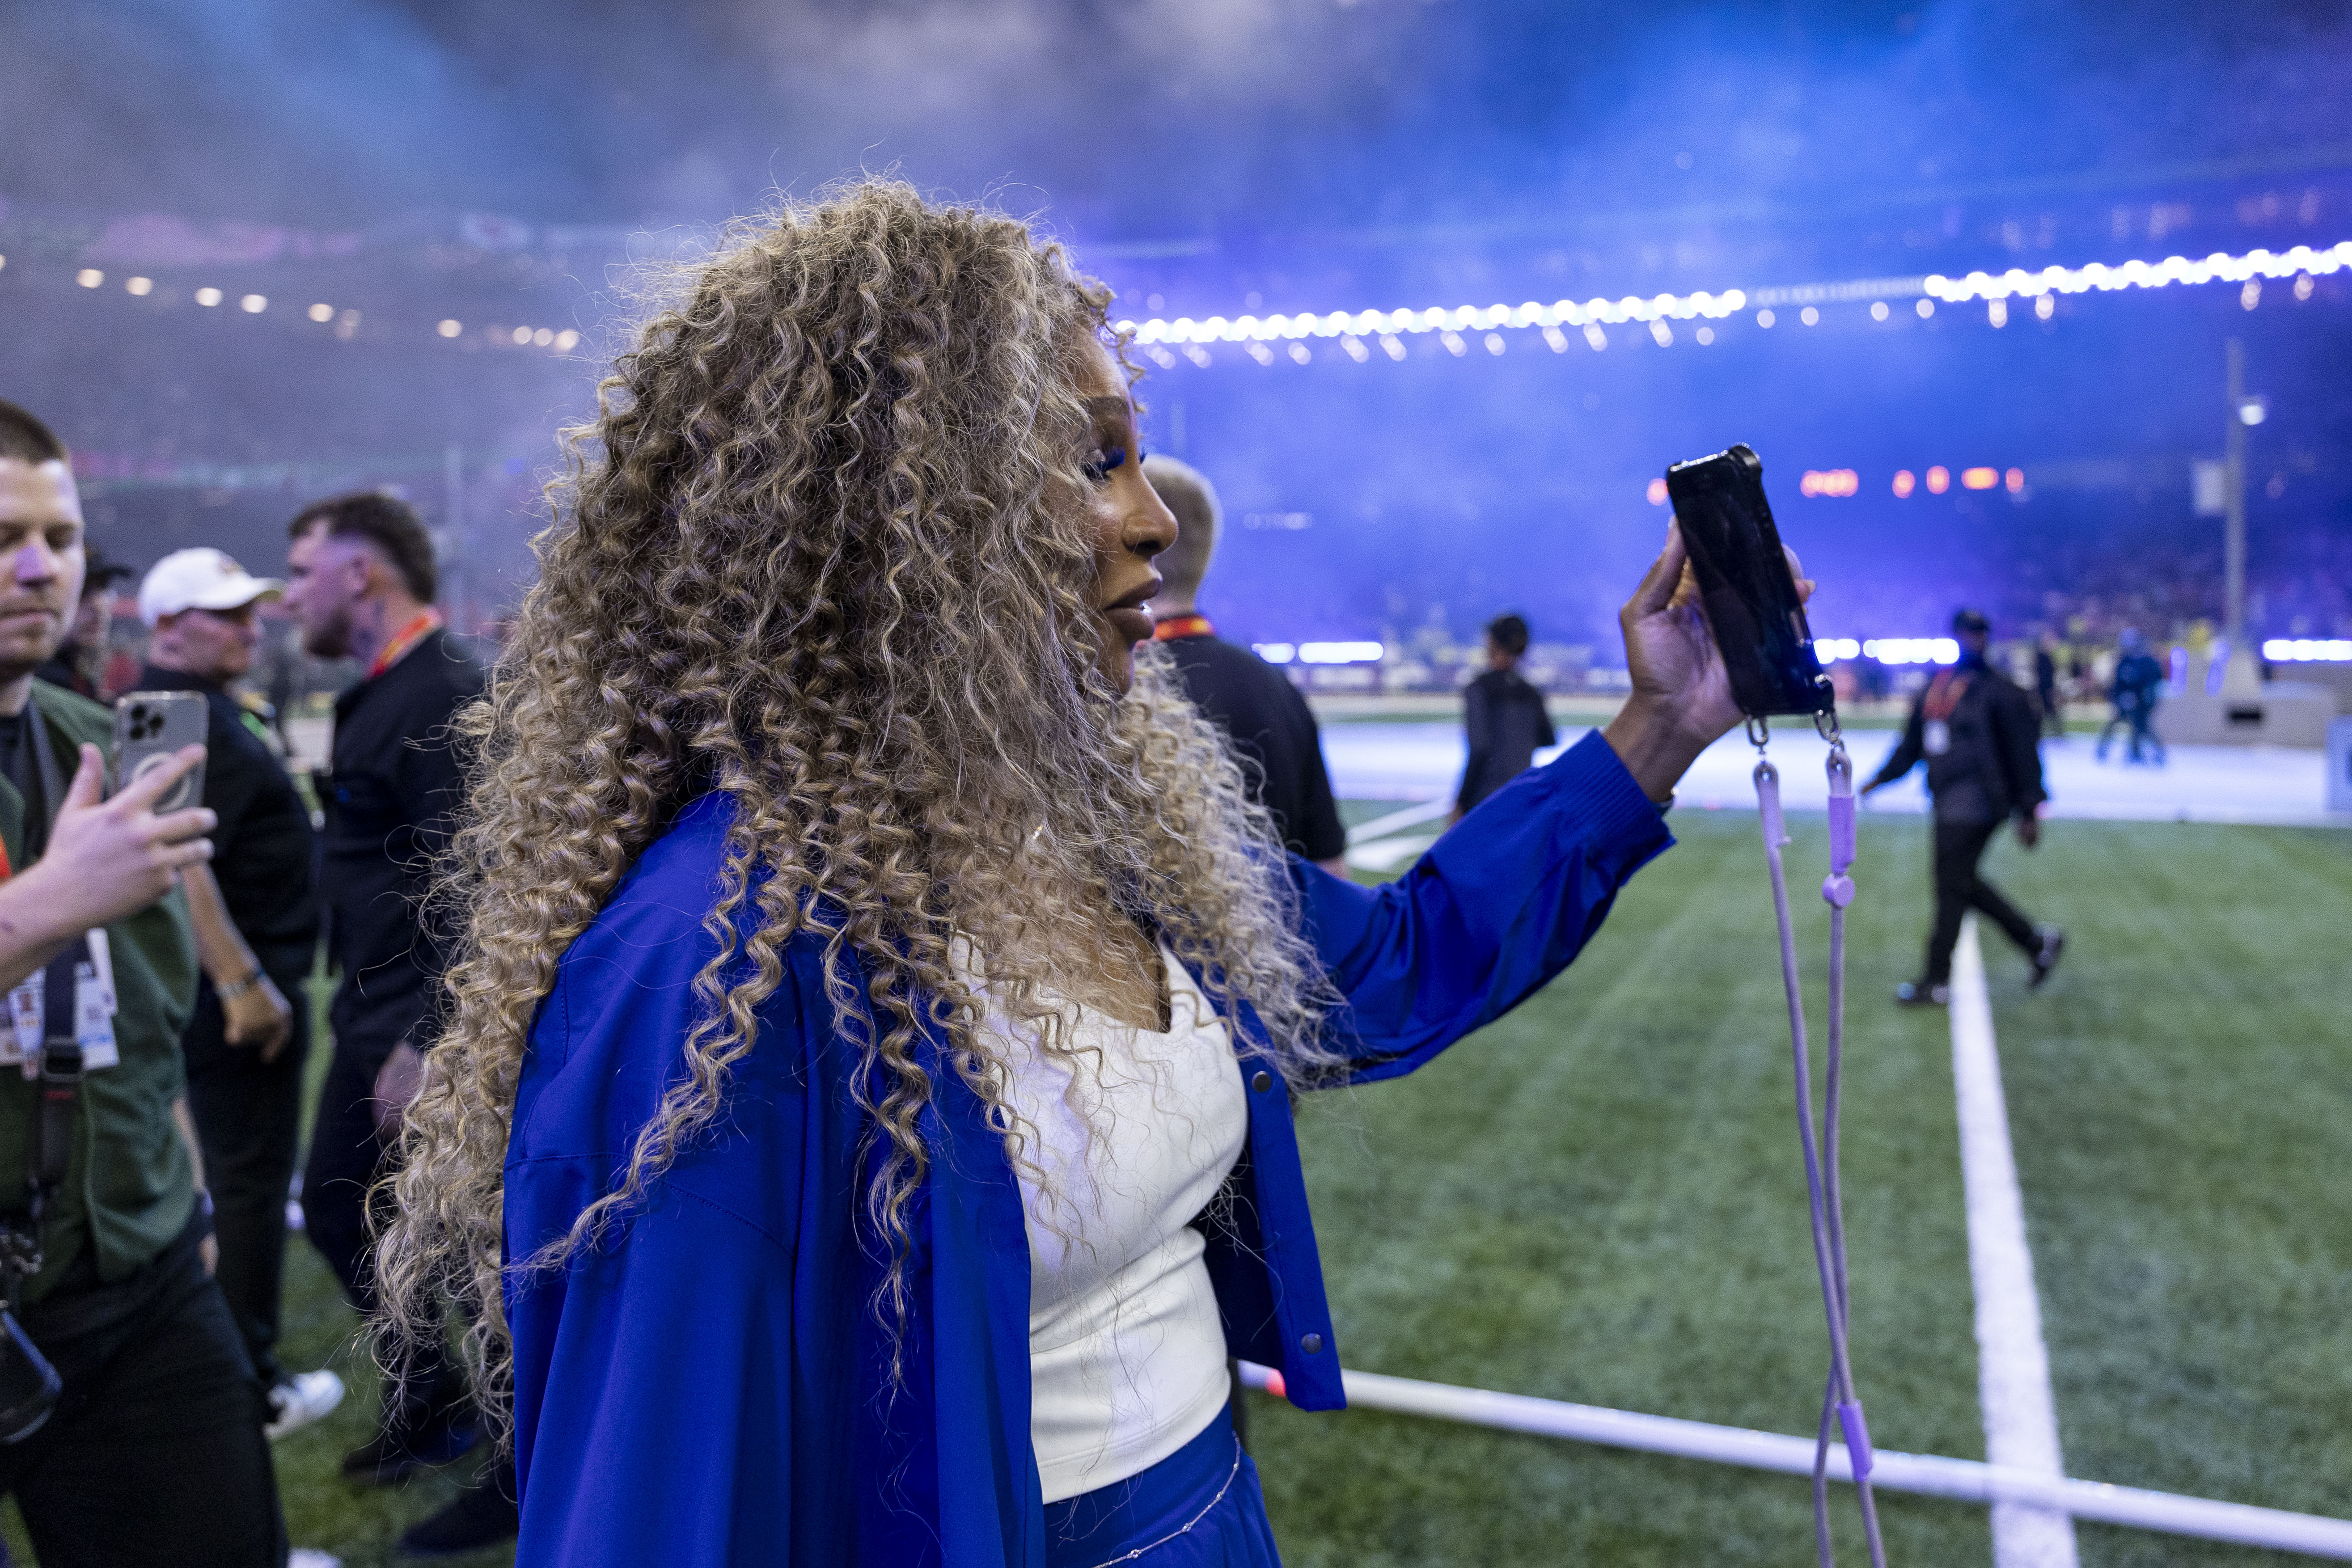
[
  {"x": 257, "y": 922},
  {"x": 79, "y": 664},
  {"x": 2046, "y": 685},
  {"x": 362, "y": 580},
  {"x": 154, "y": 1452},
  {"x": 1272, "y": 729},
  {"x": 2135, "y": 688},
  {"x": 1977, "y": 733},
  {"x": 1504, "y": 719}
]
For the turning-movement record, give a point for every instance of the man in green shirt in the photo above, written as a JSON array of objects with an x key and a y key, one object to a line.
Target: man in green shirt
[{"x": 154, "y": 1452}]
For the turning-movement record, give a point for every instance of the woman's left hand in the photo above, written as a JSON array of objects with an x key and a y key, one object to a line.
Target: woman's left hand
[{"x": 1681, "y": 700}]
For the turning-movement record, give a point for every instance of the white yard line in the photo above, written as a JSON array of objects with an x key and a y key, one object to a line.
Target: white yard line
[
  {"x": 1928, "y": 1474},
  {"x": 2013, "y": 1364}
]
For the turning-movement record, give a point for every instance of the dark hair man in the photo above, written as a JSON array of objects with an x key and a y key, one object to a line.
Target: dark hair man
[
  {"x": 361, "y": 580},
  {"x": 154, "y": 1454},
  {"x": 257, "y": 922},
  {"x": 1272, "y": 730},
  {"x": 1980, "y": 736},
  {"x": 79, "y": 663},
  {"x": 1503, "y": 717}
]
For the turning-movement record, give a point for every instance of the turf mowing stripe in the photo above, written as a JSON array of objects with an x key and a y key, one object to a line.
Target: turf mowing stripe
[{"x": 2021, "y": 1423}]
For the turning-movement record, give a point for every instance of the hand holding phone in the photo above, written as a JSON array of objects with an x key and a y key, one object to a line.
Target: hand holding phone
[
  {"x": 1682, "y": 700},
  {"x": 151, "y": 729},
  {"x": 1747, "y": 583}
]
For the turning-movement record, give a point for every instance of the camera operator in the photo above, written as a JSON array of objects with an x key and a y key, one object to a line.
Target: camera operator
[
  {"x": 152, "y": 1452},
  {"x": 257, "y": 920},
  {"x": 361, "y": 581}
]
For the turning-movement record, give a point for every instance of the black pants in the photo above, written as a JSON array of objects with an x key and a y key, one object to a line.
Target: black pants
[
  {"x": 347, "y": 1159},
  {"x": 1959, "y": 888},
  {"x": 154, "y": 1454},
  {"x": 2137, "y": 719},
  {"x": 249, "y": 1116}
]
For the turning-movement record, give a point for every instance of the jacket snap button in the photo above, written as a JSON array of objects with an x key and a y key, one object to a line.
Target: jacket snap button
[
  {"x": 1311, "y": 1343},
  {"x": 1262, "y": 1082}
]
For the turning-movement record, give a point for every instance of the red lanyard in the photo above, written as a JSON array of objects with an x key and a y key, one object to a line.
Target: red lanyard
[
  {"x": 1174, "y": 626},
  {"x": 1944, "y": 694},
  {"x": 408, "y": 638}
]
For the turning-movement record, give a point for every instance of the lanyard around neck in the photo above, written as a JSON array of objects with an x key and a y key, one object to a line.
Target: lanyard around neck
[{"x": 408, "y": 638}]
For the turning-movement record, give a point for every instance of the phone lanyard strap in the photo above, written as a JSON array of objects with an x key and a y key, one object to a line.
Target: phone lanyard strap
[
  {"x": 61, "y": 1056},
  {"x": 1840, "y": 1402}
]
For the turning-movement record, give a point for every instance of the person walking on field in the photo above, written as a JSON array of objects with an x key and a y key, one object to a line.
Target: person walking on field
[
  {"x": 1977, "y": 733},
  {"x": 1503, "y": 717},
  {"x": 2138, "y": 679},
  {"x": 2046, "y": 685},
  {"x": 1272, "y": 730}
]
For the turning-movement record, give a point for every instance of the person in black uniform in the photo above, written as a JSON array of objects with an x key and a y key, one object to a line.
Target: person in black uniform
[
  {"x": 256, "y": 918},
  {"x": 361, "y": 580},
  {"x": 2046, "y": 685},
  {"x": 1979, "y": 734},
  {"x": 1272, "y": 730},
  {"x": 1503, "y": 717}
]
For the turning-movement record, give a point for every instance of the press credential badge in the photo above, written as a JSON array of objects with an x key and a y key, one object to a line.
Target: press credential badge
[{"x": 94, "y": 1008}]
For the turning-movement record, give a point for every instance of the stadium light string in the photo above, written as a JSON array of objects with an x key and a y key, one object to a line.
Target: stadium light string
[
  {"x": 1459, "y": 326},
  {"x": 346, "y": 323}
]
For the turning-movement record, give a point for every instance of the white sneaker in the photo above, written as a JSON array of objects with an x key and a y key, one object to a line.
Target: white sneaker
[
  {"x": 311, "y": 1557},
  {"x": 302, "y": 1399}
]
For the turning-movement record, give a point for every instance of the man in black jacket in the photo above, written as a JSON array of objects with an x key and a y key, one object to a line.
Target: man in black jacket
[
  {"x": 1504, "y": 721},
  {"x": 361, "y": 579},
  {"x": 255, "y": 911},
  {"x": 1979, "y": 735},
  {"x": 1272, "y": 730}
]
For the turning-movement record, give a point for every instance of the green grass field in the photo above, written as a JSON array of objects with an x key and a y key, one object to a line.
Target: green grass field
[{"x": 1600, "y": 1199}]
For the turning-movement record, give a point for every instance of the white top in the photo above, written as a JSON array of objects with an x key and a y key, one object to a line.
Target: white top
[{"x": 1127, "y": 1356}]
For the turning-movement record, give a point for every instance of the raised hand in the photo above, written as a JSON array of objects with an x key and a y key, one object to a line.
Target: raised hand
[
  {"x": 1681, "y": 700},
  {"x": 109, "y": 858}
]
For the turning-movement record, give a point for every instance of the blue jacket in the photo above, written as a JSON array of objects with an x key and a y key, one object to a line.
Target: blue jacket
[{"x": 712, "y": 1383}]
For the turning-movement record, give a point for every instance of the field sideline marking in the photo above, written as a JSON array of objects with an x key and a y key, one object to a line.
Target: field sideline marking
[
  {"x": 1928, "y": 1474},
  {"x": 2021, "y": 1423}
]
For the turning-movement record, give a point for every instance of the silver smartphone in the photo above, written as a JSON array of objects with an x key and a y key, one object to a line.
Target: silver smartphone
[{"x": 149, "y": 727}]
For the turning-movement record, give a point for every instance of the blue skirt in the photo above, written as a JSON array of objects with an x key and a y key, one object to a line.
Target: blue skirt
[{"x": 1198, "y": 1507}]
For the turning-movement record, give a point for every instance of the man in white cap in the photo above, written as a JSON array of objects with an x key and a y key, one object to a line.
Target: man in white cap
[{"x": 257, "y": 920}]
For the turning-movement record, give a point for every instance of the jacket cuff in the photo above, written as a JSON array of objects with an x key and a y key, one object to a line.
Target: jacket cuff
[{"x": 1622, "y": 825}]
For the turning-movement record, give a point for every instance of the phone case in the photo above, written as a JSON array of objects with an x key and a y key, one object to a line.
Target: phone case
[
  {"x": 1745, "y": 587},
  {"x": 149, "y": 726}
]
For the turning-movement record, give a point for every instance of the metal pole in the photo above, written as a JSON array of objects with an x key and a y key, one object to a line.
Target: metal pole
[
  {"x": 452, "y": 481},
  {"x": 2235, "y": 498},
  {"x": 1929, "y": 1475}
]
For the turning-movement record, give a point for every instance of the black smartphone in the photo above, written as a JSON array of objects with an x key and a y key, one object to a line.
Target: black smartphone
[{"x": 1745, "y": 584}]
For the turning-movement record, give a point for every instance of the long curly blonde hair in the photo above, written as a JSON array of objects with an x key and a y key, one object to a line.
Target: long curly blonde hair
[{"x": 829, "y": 548}]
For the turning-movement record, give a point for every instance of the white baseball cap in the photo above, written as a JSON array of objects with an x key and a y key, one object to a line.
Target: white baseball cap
[{"x": 201, "y": 580}]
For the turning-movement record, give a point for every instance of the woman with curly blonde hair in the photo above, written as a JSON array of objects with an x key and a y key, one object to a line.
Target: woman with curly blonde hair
[{"x": 861, "y": 1129}]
